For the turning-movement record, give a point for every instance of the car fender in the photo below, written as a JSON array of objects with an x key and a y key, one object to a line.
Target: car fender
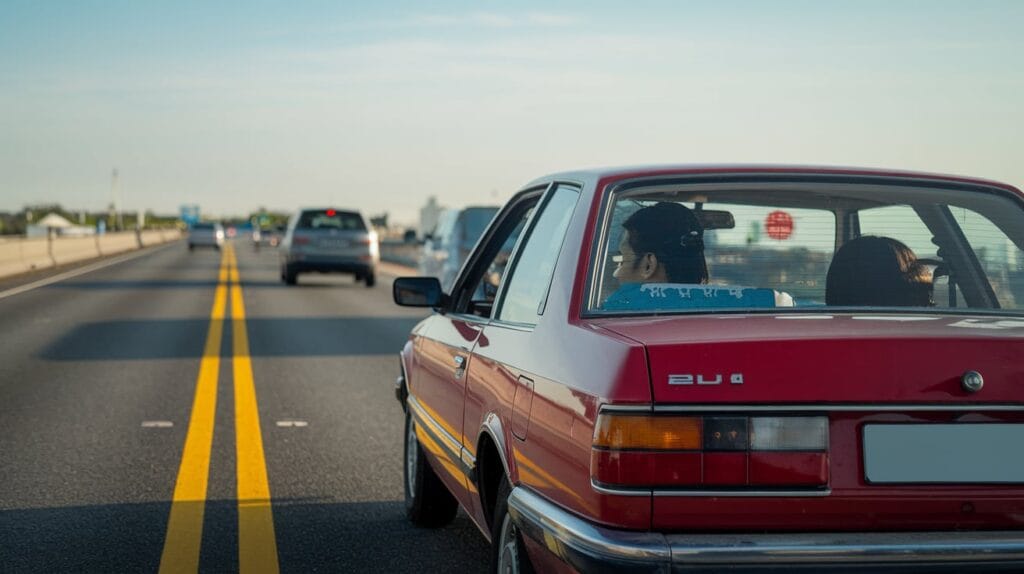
[{"x": 493, "y": 428}]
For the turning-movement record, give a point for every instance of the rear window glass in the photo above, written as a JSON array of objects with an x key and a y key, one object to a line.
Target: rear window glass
[
  {"x": 203, "y": 226},
  {"x": 331, "y": 219},
  {"x": 672, "y": 249}
]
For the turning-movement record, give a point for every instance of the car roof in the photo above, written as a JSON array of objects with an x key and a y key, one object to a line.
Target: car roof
[
  {"x": 338, "y": 209},
  {"x": 593, "y": 175}
]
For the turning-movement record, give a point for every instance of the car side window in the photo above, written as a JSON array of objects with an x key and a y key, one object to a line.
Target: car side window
[
  {"x": 535, "y": 262},
  {"x": 487, "y": 285},
  {"x": 475, "y": 292}
]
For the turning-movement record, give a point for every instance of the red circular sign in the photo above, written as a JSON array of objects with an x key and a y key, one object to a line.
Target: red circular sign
[{"x": 779, "y": 225}]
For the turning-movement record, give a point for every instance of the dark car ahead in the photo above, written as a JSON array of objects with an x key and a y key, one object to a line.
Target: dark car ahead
[{"x": 329, "y": 241}]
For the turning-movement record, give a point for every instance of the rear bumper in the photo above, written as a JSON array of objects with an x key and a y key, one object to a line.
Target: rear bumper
[
  {"x": 591, "y": 548},
  {"x": 301, "y": 264}
]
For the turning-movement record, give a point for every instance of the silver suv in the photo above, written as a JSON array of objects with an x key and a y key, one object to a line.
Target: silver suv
[
  {"x": 329, "y": 241},
  {"x": 205, "y": 235}
]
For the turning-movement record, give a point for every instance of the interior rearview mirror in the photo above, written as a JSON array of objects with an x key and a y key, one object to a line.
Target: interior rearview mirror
[{"x": 715, "y": 219}]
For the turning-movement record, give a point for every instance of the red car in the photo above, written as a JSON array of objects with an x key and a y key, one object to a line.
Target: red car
[{"x": 729, "y": 367}]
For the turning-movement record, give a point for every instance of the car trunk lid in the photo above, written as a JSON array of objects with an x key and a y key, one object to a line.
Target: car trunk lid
[{"x": 819, "y": 358}]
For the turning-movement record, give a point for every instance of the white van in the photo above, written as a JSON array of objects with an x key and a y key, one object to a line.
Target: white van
[{"x": 448, "y": 245}]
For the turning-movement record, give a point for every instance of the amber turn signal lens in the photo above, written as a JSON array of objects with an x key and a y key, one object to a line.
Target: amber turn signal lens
[{"x": 621, "y": 431}]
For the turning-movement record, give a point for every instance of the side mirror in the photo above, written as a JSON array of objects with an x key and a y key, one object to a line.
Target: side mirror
[{"x": 417, "y": 292}]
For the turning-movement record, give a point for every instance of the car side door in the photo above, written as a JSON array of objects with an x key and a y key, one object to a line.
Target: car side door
[
  {"x": 446, "y": 342},
  {"x": 500, "y": 381}
]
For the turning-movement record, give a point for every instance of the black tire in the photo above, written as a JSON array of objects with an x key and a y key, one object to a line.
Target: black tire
[
  {"x": 191, "y": 247},
  {"x": 289, "y": 276},
  {"x": 370, "y": 280},
  {"x": 428, "y": 504},
  {"x": 507, "y": 551}
]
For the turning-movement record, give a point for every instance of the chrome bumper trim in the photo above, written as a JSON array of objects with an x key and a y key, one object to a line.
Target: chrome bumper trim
[{"x": 592, "y": 548}]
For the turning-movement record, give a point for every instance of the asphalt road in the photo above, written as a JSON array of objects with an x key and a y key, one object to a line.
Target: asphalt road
[{"x": 98, "y": 385}]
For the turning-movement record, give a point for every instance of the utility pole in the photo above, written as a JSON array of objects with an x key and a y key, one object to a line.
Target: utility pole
[{"x": 115, "y": 198}]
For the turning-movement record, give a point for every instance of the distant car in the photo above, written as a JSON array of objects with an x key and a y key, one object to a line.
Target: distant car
[
  {"x": 448, "y": 245},
  {"x": 728, "y": 368},
  {"x": 329, "y": 241},
  {"x": 274, "y": 235},
  {"x": 205, "y": 235}
]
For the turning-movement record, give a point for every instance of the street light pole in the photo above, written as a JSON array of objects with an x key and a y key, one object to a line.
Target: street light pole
[{"x": 115, "y": 193}]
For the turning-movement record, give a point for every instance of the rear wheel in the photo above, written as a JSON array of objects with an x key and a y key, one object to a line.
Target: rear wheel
[
  {"x": 288, "y": 275},
  {"x": 370, "y": 279},
  {"x": 191, "y": 247},
  {"x": 508, "y": 555},
  {"x": 427, "y": 500}
]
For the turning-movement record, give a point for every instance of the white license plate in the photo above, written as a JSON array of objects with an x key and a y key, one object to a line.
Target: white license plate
[
  {"x": 334, "y": 243},
  {"x": 944, "y": 453}
]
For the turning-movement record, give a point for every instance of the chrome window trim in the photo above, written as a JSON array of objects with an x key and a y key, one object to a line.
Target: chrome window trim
[
  {"x": 542, "y": 204},
  {"x": 525, "y": 327},
  {"x": 469, "y": 318},
  {"x": 513, "y": 258}
]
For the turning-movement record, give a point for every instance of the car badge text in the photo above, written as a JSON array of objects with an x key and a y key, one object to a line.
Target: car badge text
[{"x": 716, "y": 379}]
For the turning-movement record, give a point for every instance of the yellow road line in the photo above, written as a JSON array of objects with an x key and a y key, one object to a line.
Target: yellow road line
[
  {"x": 257, "y": 545},
  {"x": 185, "y": 524}
]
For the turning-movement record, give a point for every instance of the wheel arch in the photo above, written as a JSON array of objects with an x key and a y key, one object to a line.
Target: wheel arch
[{"x": 493, "y": 462}]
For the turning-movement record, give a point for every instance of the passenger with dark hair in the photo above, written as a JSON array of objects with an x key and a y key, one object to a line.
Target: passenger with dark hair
[
  {"x": 877, "y": 272},
  {"x": 662, "y": 243}
]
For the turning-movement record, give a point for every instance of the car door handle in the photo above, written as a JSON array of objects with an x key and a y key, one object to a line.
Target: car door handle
[{"x": 460, "y": 367}]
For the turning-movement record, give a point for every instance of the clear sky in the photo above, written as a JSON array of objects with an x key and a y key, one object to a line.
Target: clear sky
[{"x": 379, "y": 105}]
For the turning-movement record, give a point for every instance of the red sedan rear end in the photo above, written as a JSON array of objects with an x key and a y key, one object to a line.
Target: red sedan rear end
[{"x": 742, "y": 368}]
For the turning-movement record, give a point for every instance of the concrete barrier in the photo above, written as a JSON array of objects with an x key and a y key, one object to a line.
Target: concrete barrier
[
  {"x": 35, "y": 253},
  {"x": 11, "y": 262},
  {"x": 20, "y": 254},
  {"x": 111, "y": 243},
  {"x": 150, "y": 237},
  {"x": 70, "y": 249}
]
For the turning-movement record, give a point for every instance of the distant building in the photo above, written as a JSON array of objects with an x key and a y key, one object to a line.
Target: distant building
[
  {"x": 429, "y": 215},
  {"x": 59, "y": 226}
]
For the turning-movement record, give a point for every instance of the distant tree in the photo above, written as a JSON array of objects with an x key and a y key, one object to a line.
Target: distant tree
[{"x": 379, "y": 220}]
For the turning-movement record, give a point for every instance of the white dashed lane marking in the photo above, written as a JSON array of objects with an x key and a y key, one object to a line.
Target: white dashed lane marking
[
  {"x": 289, "y": 423},
  {"x": 157, "y": 424}
]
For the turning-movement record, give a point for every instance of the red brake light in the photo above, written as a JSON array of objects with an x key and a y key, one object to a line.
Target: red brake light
[
  {"x": 331, "y": 213},
  {"x": 299, "y": 240}
]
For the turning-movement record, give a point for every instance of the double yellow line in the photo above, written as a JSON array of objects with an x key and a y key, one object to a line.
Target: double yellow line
[{"x": 257, "y": 545}]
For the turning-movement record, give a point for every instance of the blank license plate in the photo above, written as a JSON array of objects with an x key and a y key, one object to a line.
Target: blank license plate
[{"x": 944, "y": 453}]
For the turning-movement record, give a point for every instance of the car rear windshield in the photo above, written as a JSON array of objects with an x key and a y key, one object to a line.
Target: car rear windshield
[
  {"x": 474, "y": 222},
  {"x": 331, "y": 219},
  {"x": 202, "y": 226},
  {"x": 805, "y": 246}
]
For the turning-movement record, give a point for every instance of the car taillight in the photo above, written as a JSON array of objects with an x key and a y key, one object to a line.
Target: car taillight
[
  {"x": 710, "y": 452},
  {"x": 300, "y": 240}
]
